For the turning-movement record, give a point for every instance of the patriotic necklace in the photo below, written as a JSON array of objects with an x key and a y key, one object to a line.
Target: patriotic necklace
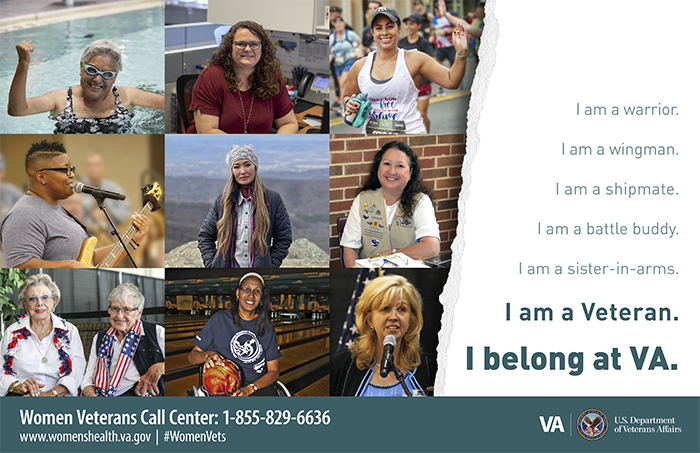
[{"x": 60, "y": 341}]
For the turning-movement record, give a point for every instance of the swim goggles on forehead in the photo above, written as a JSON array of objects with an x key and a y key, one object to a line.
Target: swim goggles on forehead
[{"x": 93, "y": 71}]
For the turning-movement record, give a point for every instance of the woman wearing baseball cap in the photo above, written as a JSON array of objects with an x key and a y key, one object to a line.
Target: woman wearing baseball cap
[{"x": 390, "y": 76}]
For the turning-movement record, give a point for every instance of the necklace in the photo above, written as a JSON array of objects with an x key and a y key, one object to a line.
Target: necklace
[
  {"x": 246, "y": 120},
  {"x": 43, "y": 355}
]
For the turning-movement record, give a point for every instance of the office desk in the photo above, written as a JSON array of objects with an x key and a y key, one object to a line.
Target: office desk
[{"x": 303, "y": 108}]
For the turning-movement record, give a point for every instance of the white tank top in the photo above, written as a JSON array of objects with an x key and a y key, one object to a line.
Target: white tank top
[{"x": 394, "y": 109}]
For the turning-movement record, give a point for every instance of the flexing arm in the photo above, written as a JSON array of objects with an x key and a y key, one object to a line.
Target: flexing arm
[{"x": 18, "y": 104}]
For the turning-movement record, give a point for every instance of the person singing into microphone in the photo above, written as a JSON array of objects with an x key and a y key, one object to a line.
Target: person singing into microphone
[
  {"x": 38, "y": 232},
  {"x": 388, "y": 306}
]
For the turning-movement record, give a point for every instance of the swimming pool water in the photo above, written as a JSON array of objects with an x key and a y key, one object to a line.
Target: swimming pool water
[{"x": 56, "y": 63}]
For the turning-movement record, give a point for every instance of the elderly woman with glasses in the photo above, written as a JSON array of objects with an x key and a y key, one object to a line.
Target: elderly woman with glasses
[
  {"x": 42, "y": 353},
  {"x": 38, "y": 232},
  {"x": 393, "y": 212},
  {"x": 95, "y": 106},
  {"x": 245, "y": 336},
  {"x": 127, "y": 359},
  {"x": 241, "y": 91}
]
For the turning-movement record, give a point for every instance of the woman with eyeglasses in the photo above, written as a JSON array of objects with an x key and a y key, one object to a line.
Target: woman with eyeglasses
[
  {"x": 241, "y": 91},
  {"x": 95, "y": 106},
  {"x": 38, "y": 232},
  {"x": 393, "y": 212},
  {"x": 128, "y": 359},
  {"x": 42, "y": 353},
  {"x": 248, "y": 226},
  {"x": 244, "y": 335}
]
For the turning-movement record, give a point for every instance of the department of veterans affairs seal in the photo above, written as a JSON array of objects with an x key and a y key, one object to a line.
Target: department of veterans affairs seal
[{"x": 592, "y": 424}]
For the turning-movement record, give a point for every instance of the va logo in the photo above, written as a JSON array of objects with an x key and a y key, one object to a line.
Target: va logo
[
  {"x": 592, "y": 424},
  {"x": 553, "y": 423}
]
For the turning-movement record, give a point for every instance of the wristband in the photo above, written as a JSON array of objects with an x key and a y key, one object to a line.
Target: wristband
[
  {"x": 462, "y": 57},
  {"x": 255, "y": 387}
]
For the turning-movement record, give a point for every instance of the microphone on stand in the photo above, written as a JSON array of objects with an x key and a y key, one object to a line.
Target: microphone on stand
[
  {"x": 388, "y": 356},
  {"x": 97, "y": 192}
]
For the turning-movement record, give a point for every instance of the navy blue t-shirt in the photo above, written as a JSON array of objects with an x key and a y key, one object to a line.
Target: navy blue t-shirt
[{"x": 243, "y": 346}]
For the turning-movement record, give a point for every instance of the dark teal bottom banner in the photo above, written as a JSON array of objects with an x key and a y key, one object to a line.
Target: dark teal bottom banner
[{"x": 350, "y": 424}]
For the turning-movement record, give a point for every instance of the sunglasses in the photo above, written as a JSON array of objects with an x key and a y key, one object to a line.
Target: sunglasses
[
  {"x": 241, "y": 45},
  {"x": 66, "y": 170},
  {"x": 93, "y": 71}
]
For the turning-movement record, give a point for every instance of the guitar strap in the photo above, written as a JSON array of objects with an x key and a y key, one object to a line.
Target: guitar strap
[{"x": 76, "y": 220}]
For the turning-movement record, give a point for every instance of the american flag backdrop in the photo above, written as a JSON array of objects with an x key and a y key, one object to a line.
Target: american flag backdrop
[{"x": 350, "y": 332}]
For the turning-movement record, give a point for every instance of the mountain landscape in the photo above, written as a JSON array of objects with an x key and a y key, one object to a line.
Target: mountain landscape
[{"x": 189, "y": 198}]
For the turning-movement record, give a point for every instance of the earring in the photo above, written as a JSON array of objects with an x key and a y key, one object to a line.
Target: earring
[
  {"x": 371, "y": 328},
  {"x": 43, "y": 182}
]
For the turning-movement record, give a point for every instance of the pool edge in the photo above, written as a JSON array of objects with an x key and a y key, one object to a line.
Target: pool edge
[{"x": 80, "y": 12}]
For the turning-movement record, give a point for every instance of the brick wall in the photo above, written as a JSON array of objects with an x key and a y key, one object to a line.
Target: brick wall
[{"x": 440, "y": 158}]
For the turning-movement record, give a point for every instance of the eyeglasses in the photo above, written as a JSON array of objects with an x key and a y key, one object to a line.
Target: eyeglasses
[
  {"x": 45, "y": 298},
  {"x": 392, "y": 260},
  {"x": 241, "y": 45},
  {"x": 66, "y": 170},
  {"x": 248, "y": 290},
  {"x": 126, "y": 311},
  {"x": 93, "y": 71}
]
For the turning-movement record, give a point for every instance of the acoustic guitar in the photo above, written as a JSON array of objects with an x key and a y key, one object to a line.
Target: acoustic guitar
[{"x": 152, "y": 194}]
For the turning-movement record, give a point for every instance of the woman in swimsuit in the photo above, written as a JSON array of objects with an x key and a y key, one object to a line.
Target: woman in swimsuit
[
  {"x": 391, "y": 76},
  {"x": 95, "y": 106}
]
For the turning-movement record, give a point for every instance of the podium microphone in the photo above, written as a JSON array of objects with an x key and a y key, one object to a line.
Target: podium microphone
[
  {"x": 97, "y": 192},
  {"x": 388, "y": 355}
]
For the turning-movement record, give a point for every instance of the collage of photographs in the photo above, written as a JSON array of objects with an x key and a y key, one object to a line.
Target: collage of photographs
[{"x": 301, "y": 251}]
